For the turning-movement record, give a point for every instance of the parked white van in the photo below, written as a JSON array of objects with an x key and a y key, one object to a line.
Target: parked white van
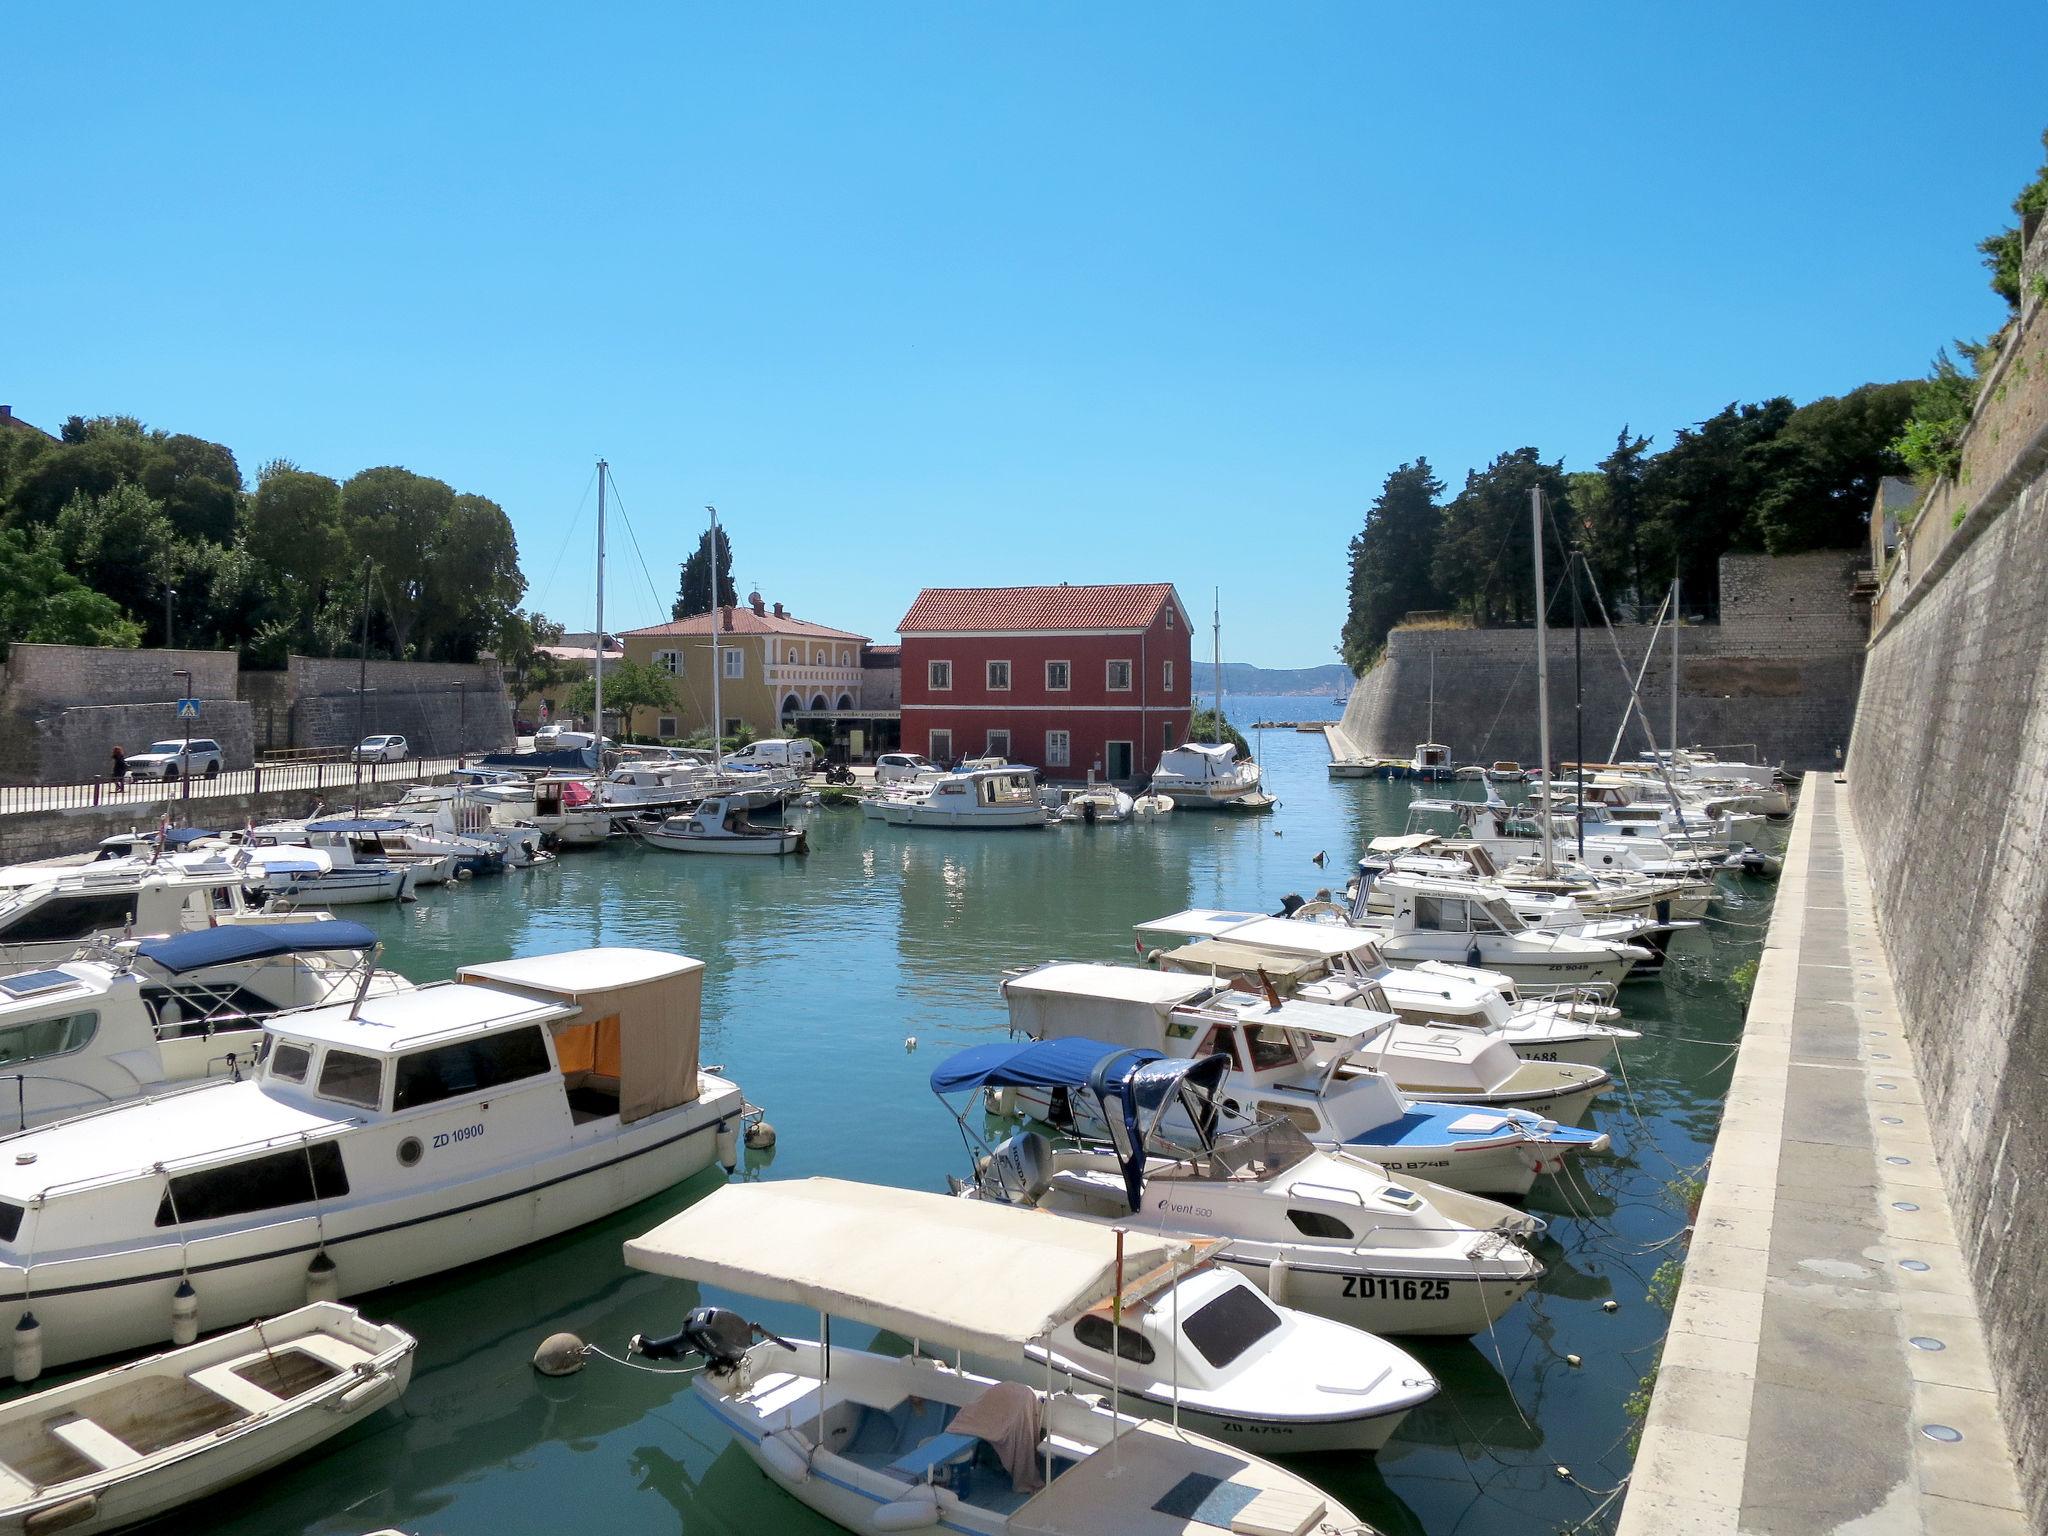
[{"x": 797, "y": 756}]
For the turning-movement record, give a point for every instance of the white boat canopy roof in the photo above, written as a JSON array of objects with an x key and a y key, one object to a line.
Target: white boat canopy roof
[
  {"x": 966, "y": 1273},
  {"x": 1117, "y": 983},
  {"x": 1408, "y": 844}
]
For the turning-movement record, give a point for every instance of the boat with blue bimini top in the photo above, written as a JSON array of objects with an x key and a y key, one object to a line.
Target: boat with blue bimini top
[
  {"x": 379, "y": 1140},
  {"x": 1326, "y": 1088},
  {"x": 876, "y": 1442},
  {"x": 1319, "y": 1230}
]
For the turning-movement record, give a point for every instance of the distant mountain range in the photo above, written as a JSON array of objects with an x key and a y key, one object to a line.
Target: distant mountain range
[{"x": 1240, "y": 677}]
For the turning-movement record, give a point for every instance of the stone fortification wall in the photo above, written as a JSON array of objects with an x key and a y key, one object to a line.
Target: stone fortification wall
[
  {"x": 1948, "y": 781},
  {"x": 72, "y": 745},
  {"x": 442, "y": 708},
  {"x": 1781, "y": 670},
  {"x": 49, "y": 677}
]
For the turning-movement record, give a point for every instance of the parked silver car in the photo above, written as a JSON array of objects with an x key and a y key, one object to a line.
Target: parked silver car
[{"x": 177, "y": 759}]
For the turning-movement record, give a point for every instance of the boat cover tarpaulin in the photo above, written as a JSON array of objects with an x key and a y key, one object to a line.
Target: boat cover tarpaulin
[
  {"x": 1241, "y": 961},
  {"x": 1062, "y": 1063},
  {"x": 360, "y": 824},
  {"x": 971, "y": 1274},
  {"x": 205, "y": 947},
  {"x": 637, "y": 1018}
]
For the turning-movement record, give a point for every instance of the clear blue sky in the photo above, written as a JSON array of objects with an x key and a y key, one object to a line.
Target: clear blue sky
[{"x": 988, "y": 292}]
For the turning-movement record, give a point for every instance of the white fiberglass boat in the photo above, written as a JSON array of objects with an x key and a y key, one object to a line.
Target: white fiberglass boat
[
  {"x": 976, "y": 799},
  {"x": 1322, "y": 1231},
  {"x": 880, "y": 1443},
  {"x": 381, "y": 1141},
  {"x": 1203, "y": 775},
  {"x": 1319, "y": 1086},
  {"x": 719, "y": 826},
  {"x": 47, "y": 913},
  {"x": 134, "y": 1018},
  {"x": 157, "y": 1434},
  {"x": 1443, "y": 920},
  {"x": 1094, "y": 804}
]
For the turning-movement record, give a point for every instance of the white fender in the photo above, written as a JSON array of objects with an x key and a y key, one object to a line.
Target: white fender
[
  {"x": 917, "y": 1509},
  {"x": 783, "y": 1458}
]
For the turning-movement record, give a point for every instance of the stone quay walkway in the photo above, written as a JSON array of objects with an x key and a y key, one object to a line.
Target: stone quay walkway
[{"x": 1825, "y": 1371}]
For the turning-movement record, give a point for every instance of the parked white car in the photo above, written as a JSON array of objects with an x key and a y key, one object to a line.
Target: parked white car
[
  {"x": 177, "y": 759},
  {"x": 902, "y": 767},
  {"x": 793, "y": 754},
  {"x": 382, "y": 749},
  {"x": 557, "y": 738}
]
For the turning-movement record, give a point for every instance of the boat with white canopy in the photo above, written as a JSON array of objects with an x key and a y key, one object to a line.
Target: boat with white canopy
[
  {"x": 877, "y": 1442},
  {"x": 381, "y": 1140},
  {"x": 1200, "y": 775},
  {"x": 158, "y": 1434},
  {"x": 720, "y": 826},
  {"x": 1323, "y": 1231}
]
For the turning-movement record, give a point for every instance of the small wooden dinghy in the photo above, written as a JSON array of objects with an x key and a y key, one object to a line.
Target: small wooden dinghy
[{"x": 135, "y": 1442}]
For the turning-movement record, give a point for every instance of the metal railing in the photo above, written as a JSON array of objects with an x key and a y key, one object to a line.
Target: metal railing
[{"x": 149, "y": 795}]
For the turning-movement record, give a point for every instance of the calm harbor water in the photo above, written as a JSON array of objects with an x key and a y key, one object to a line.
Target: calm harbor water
[{"x": 819, "y": 974}]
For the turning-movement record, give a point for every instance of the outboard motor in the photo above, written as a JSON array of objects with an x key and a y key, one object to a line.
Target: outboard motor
[
  {"x": 721, "y": 1336},
  {"x": 1018, "y": 1167},
  {"x": 1290, "y": 904}
]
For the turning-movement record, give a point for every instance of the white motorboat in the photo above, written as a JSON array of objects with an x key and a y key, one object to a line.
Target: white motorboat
[
  {"x": 1443, "y": 920},
  {"x": 1322, "y": 1231},
  {"x": 1204, "y": 775},
  {"x": 877, "y": 1442},
  {"x": 974, "y": 800},
  {"x": 133, "y": 1018},
  {"x": 46, "y": 913},
  {"x": 1506, "y": 772},
  {"x": 358, "y": 869},
  {"x": 1098, "y": 803},
  {"x": 381, "y": 1140},
  {"x": 1148, "y": 806},
  {"x": 158, "y": 1434},
  {"x": 1337, "y": 963},
  {"x": 1279, "y": 1072},
  {"x": 567, "y": 812},
  {"x": 721, "y": 827}
]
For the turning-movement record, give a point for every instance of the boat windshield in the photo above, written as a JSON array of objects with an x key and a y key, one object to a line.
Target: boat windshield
[
  {"x": 1273, "y": 1047},
  {"x": 1263, "y": 1151}
]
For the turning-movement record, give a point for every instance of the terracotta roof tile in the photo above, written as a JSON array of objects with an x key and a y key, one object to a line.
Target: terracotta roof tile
[
  {"x": 747, "y": 622},
  {"x": 968, "y": 610}
]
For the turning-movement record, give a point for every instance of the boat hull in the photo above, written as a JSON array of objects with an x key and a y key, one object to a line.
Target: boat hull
[
  {"x": 1003, "y": 819},
  {"x": 91, "y": 1305},
  {"x": 1440, "y": 1304},
  {"x": 771, "y": 846}
]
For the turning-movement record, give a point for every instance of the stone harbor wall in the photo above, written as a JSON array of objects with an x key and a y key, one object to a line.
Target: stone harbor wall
[
  {"x": 66, "y": 706},
  {"x": 1780, "y": 671},
  {"x": 1948, "y": 782}
]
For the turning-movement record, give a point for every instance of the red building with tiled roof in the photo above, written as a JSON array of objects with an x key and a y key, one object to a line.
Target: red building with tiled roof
[{"x": 1069, "y": 679}]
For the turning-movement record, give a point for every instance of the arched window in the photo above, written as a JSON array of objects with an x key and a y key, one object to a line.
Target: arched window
[
  {"x": 792, "y": 655},
  {"x": 846, "y": 658},
  {"x": 818, "y": 657},
  {"x": 818, "y": 703},
  {"x": 846, "y": 701},
  {"x": 791, "y": 705}
]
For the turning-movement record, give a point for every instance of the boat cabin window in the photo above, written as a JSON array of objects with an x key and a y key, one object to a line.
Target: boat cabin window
[
  {"x": 352, "y": 1078},
  {"x": 1222, "y": 1040},
  {"x": 47, "y": 1037},
  {"x": 72, "y": 917},
  {"x": 195, "y": 1010},
  {"x": 468, "y": 1066},
  {"x": 1230, "y": 1325},
  {"x": 1501, "y": 916},
  {"x": 1093, "y": 1331},
  {"x": 1316, "y": 1224},
  {"x": 10, "y": 1221},
  {"x": 1300, "y": 1116},
  {"x": 295, "y": 1177},
  {"x": 1274, "y": 1047},
  {"x": 290, "y": 1060},
  {"x": 1442, "y": 914}
]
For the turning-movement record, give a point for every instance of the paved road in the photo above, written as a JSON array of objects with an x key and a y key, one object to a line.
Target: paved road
[{"x": 29, "y": 798}]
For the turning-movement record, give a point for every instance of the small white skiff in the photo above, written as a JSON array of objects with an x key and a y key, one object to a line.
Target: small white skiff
[
  {"x": 720, "y": 825},
  {"x": 148, "y": 1437}
]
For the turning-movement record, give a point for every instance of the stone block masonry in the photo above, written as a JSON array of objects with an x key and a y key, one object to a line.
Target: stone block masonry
[{"x": 1780, "y": 670}]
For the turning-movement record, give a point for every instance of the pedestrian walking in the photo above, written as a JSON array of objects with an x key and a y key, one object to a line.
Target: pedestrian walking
[{"x": 118, "y": 773}]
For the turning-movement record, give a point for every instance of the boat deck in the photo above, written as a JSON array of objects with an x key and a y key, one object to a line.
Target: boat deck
[
  {"x": 1136, "y": 1488},
  {"x": 1825, "y": 1368}
]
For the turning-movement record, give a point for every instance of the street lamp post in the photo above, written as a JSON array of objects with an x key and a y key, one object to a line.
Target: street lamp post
[
  {"x": 184, "y": 762},
  {"x": 170, "y": 606}
]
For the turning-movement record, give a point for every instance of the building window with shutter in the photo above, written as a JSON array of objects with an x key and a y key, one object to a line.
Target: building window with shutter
[
  {"x": 670, "y": 662},
  {"x": 1058, "y": 749},
  {"x": 735, "y": 663},
  {"x": 999, "y": 677},
  {"x": 999, "y": 745},
  {"x": 941, "y": 748},
  {"x": 1119, "y": 677},
  {"x": 939, "y": 676},
  {"x": 665, "y": 726},
  {"x": 1166, "y": 683},
  {"x": 1059, "y": 676}
]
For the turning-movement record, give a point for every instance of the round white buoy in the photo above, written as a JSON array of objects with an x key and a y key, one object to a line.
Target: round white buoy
[
  {"x": 909, "y": 1042},
  {"x": 760, "y": 1136},
  {"x": 28, "y": 1348},
  {"x": 1610, "y": 1306},
  {"x": 323, "y": 1280},
  {"x": 184, "y": 1314},
  {"x": 1573, "y": 1361},
  {"x": 560, "y": 1354},
  {"x": 728, "y": 1145}
]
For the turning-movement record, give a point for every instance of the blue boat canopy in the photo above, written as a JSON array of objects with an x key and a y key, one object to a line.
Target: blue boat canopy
[
  {"x": 1062, "y": 1063},
  {"x": 183, "y": 952},
  {"x": 360, "y": 824}
]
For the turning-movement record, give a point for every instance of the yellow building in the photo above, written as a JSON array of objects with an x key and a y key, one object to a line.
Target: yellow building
[{"x": 771, "y": 666}]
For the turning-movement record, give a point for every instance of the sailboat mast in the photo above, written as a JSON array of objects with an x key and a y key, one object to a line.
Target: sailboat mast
[
  {"x": 1578, "y": 701},
  {"x": 1432, "y": 694},
  {"x": 597, "y": 651},
  {"x": 1671, "y": 744},
  {"x": 717, "y": 703},
  {"x": 1216, "y": 640},
  {"x": 1543, "y": 683}
]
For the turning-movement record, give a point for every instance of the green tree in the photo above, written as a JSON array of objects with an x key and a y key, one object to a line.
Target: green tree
[
  {"x": 1391, "y": 561},
  {"x": 2002, "y": 251},
  {"x": 42, "y": 602},
  {"x": 1821, "y": 472},
  {"x": 395, "y": 518},
  {"x": 293, "y": 526},
  {"x": 94, "y": 459},
  {"x": 528, "y": 668},
  {"x": 628, "y": 685},
  {"x": 1930, "y": 443},
  {"x": 473, "y": 579},
  {"x": 1699, "y": 494},
  {"x": 1203, "y": 725},
  {"x": 1611, "y": 512},
  {"x": 1484, "y": 561},
  {"x": 120, "y": 544},
  {"x": 198, "y": 485},
  {"x": 694, "y": 595}
]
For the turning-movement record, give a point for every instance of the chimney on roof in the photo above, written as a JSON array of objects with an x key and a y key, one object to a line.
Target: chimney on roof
[
  {"x": 754, "y": 602},
  {"x": 779, "y": 613},
  {"x": 725, "y": 619}
]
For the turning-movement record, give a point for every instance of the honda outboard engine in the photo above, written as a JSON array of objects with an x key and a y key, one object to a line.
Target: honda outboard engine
[
  {"x": 721, "y": 1336},
  {"x": 1017, "y": 1168}
]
